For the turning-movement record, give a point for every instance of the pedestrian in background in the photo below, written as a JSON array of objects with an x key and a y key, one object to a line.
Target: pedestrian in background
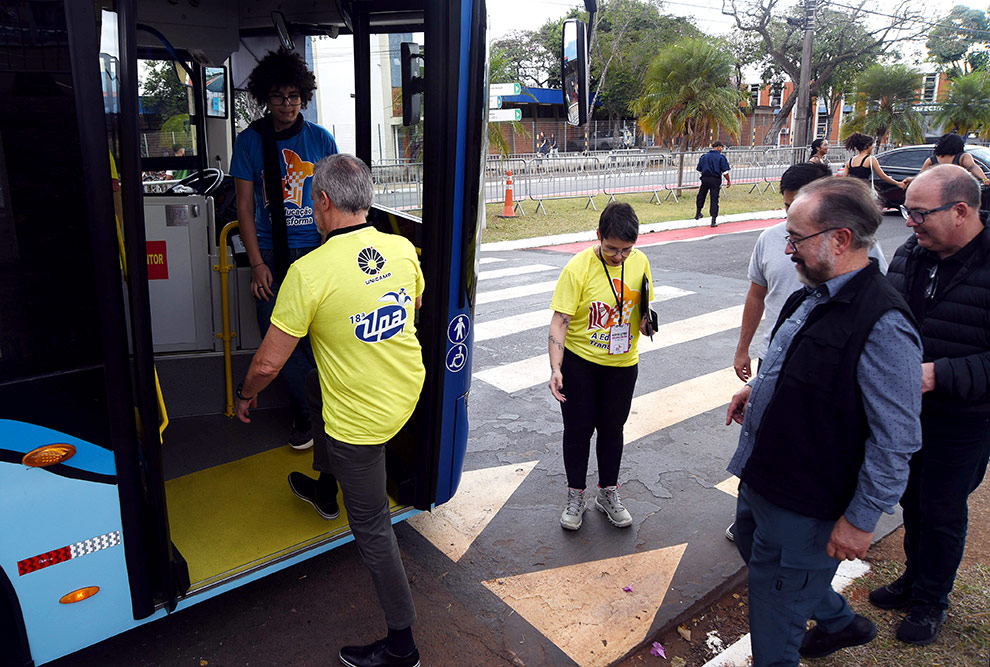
[
  {"x": 943, "y": 271},
  {"x": 712, "y": 165},
  {"x": 828, "y": 427},
  {"x": 864, "y": 166},
  {"x": 819, "y": 149},
  {"x": 594, "y": 342}
]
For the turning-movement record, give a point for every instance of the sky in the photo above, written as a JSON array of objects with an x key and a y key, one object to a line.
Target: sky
[{"x": 507, "y": 15}]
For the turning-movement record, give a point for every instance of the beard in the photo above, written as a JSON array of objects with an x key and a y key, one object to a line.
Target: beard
[{"x": 820, "y": 271}]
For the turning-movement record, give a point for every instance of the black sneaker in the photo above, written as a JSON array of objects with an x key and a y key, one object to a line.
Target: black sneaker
[
  {"x": 817, "y": 643},
  {"x": 730, "y": 532},
  {"x": 697, "y": 216},
  {"x": 376, "y": 655},
  {"x": 301, "y": 435},
  {"x": 305, "y": 489},
  {"x": 921, "y": 625},
  {"x": 714, "y": 224},
  {"x": 895, "y": 595}
]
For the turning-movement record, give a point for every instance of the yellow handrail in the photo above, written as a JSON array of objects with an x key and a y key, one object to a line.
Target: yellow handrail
[{"x": 226, "y": 335}]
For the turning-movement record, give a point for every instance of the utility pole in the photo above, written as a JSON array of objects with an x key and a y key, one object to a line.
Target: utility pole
[{"x": 804, "y": 85}]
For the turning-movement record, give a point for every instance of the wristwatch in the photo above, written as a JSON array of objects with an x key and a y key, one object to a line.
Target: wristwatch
[{"x": 241, "y": 396}]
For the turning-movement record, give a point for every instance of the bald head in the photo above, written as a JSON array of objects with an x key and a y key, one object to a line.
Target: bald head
[
  {"x": 944, "y": 209},
  {"x": 952, "y": 183}
]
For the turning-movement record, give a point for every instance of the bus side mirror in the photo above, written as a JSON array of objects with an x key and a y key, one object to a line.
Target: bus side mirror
[
  {"x": 282, "y": 29},
  {"x": 412, "y": 83},
  {"x": 574, "y": 71},
  {"x": 217, "y": 93}
]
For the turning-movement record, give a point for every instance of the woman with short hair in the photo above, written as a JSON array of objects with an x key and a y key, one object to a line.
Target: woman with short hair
[{"x": 599, "y": 311}]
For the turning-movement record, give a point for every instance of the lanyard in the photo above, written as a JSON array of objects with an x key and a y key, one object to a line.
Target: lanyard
[{"x": 622, "y": 281}]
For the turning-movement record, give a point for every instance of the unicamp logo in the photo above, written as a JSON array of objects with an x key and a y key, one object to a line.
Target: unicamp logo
[{"x": 370, "y": 261}]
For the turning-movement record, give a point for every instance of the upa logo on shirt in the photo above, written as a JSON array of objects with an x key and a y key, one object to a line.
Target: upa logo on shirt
[
  {"x": 602, "y": 315},
  {"x": 385, "y": 321}
]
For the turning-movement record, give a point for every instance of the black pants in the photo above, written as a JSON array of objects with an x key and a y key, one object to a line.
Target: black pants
[
  {"x": 950, "y": 465},
  {"x": 598, "y": 399},
  {"x": 711, "y": 184}
]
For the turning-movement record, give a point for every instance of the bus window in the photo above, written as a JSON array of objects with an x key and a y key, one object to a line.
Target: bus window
[{"x": 168, "y": 120}]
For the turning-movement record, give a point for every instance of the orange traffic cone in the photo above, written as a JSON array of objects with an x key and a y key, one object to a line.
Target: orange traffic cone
[{"x": 509, "y": 210}]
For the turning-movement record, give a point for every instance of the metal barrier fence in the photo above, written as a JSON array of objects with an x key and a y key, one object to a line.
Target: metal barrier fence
[{"x": 540, "y": 178}]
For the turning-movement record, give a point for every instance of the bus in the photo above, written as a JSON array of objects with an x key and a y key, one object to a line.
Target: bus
[{"x": 127, "y": 491}]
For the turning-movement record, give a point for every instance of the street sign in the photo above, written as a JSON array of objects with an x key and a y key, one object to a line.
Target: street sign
[
  {"x": 505, "y": 89},
  {"x": 501, "y": 115},
  {"x": 495, "y": 102}
]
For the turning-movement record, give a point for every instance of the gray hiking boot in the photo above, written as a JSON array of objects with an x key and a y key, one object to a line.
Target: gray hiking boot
[
  {"x": 573, "y": 514},
  {"x": 608, "y": 501}
]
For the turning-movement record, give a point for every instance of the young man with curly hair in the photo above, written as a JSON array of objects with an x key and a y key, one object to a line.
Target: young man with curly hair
[{"x": 283, "y": 143}]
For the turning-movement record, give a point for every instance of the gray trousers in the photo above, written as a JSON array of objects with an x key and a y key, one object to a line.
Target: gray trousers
[{"x": 360, "y": 472}]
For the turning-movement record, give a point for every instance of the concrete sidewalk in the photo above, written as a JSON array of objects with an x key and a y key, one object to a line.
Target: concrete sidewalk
[{"x": 670, "y": 225}]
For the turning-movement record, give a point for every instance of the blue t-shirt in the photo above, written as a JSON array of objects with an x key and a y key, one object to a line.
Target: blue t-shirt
[{"x": 298, "y": 156}]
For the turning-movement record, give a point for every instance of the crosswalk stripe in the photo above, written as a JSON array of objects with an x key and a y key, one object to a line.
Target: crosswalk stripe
[
  {"x": 665, "y": 407},
  {"x": 491, "y": 260},
  {"x": 541, "y": 318},
  {"x": 535, "y": 370},
  {"x": 516, "y": 271},
  {"x": 515, "y": 292}
]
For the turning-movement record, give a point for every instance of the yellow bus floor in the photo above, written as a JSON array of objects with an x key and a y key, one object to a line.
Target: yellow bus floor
[{"x": 239, "y": 515}]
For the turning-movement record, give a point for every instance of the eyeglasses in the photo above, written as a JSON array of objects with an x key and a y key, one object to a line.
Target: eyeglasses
[
  {"x": 917, "y": 216},
  {"x": 612, "y": 252},
  {"x": 277, "y": 99},
  {"x": 794, "y": 240}
]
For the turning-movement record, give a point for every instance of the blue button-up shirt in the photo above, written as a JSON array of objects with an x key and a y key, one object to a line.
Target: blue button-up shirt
[
  {"x": 713, "y": 163},
  {"x": 889, "y": 376}
]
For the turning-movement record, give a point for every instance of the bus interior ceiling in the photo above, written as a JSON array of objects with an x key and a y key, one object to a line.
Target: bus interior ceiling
[{"x": 230, "y": 508}]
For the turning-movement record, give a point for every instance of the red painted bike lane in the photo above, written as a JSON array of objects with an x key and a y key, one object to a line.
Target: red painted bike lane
[{"x": 691, "y": 233}]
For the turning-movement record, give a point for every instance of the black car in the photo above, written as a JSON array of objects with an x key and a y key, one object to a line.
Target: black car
[{"x": 900, "y": 163}]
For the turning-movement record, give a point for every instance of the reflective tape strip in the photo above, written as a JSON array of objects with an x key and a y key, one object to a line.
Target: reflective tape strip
[
  {"x": 56, "y": 556},
  {"x": 95, "y": 544}
]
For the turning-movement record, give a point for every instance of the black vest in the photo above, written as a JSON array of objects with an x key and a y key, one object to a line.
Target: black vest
[
  {"x": 810, "y": 444},
  {"x": 956, "y": 326}
]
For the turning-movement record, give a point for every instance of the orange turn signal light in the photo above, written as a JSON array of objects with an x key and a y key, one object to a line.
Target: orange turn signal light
[
  {"x": 79, "y": 595},
  {"x": 48, "y": 455}
]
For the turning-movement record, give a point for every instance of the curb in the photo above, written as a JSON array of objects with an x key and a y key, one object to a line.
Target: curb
[{"x": 578, "y": 237}]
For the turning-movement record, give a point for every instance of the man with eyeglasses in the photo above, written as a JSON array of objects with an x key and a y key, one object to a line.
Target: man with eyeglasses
[
  {"x": 829, "y": 424},
  {"x": 276, "y": 214},
  {"x": 943, "y": 271},
  {"x": 772, "y": 275}
]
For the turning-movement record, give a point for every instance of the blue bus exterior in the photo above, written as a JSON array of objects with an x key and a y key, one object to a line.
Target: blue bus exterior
[{"x": 85, "y": 546}]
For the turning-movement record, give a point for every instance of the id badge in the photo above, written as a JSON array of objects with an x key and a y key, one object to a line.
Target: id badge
[{"x": 618, "y": 339}]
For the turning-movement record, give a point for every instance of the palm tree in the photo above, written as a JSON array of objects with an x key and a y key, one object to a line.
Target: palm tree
[
  {"x": 885, "y": 98},
  {"x": 966, "y": 107},
  {"x": 688, "y": 94}
]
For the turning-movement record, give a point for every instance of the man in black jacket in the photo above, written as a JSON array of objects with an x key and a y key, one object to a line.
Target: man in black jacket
[
  {"x": 828, "y": 427},
  {"x": 943, "y": 271}
]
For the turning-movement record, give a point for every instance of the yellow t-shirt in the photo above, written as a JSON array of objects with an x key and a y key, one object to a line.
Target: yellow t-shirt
[
  {"x": 355, "y": 296},
  {"x": 583, "y": 292}
]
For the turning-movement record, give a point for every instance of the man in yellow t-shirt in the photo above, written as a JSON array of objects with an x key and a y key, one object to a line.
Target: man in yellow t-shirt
[{"x": 355, "y": 296}]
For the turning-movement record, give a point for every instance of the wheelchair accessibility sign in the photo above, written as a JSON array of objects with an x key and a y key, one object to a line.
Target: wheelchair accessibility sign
[{"x": 457, "y": 358}]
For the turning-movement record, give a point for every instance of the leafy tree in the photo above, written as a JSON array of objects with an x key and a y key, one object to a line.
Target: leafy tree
[
  {"x": 688, "y": 93},
  {"x": 162, "y": 91},
  {"x": 524, "y": 58},
  {"x": 627, "y": 36},
  {"x": 959, "y": 42},
  {"x": 885, "y": 96},
  {"x": 966, "y": 107},
  {"x": 848, "y": 37},
  {"x": 500, "y": 68}
]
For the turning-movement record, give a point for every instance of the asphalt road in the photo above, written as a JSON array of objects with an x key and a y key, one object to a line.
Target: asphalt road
[{"x": 515, "y": 588}]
